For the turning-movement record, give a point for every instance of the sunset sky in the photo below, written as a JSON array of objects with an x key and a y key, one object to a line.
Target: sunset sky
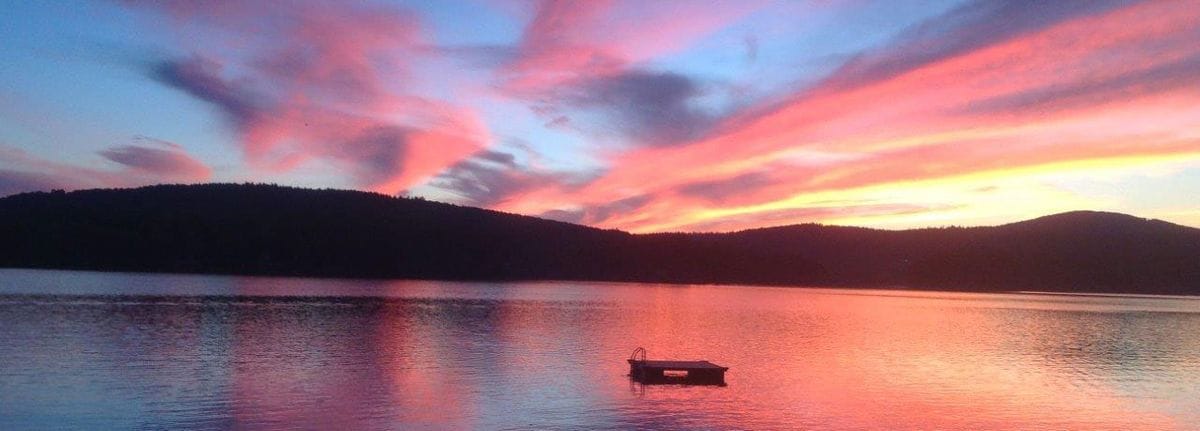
[{"x": 639, "y": 115}]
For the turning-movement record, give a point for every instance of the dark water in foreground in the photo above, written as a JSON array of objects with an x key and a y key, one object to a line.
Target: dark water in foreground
[{"x": 120, "y": 351}]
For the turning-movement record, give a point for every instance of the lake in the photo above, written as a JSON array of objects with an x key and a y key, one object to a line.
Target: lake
[{"x": 86, "y": 350}]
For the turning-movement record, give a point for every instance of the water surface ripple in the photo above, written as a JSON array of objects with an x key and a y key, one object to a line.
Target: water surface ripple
[{"x": 82, "y": 350}]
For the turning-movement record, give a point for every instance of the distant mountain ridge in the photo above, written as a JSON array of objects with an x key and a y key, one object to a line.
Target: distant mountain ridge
[{"x": 273, "y": 230}]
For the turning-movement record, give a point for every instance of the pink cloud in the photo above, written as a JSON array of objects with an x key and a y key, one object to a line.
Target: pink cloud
[
  {"x": 322, "y": 81},
  {"x": 569, "y": 42}
]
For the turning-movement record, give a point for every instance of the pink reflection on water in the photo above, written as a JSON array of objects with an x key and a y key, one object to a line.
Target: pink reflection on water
[
  {"x": 382, "y": 355},
  {"x": 931, "y": 361}
]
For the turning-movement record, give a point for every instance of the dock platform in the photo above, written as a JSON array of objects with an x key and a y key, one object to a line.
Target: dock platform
[{"x": 674, "y": 372}]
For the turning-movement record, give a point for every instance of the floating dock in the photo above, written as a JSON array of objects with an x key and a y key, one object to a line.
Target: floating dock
[{"x": 674, "y": 372}]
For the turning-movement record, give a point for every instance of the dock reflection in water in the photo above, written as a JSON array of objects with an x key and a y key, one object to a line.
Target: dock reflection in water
[{"x": 104, "y": 351}]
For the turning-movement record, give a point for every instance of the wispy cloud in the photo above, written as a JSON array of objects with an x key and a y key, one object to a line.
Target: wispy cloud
[
  {"x": 317, "y": 85},
  {"x": 491, "y": 177},
  {"x": 143, "y": 161},
  {"x": 166, "y": 161},
  {"x": 572, "y": 42}
]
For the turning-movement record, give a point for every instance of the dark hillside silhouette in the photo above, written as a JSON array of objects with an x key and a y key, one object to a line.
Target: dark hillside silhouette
[
  {"x": 1083, "y": 251},
  {"x": 273, "y": 230}
]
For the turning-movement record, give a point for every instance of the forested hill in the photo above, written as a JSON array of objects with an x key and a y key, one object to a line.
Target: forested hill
[
  {"x": 273, "y": 230},
  {"x": 1083, "y": 251}
]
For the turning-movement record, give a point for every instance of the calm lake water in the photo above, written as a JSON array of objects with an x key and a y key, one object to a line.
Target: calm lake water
[{"x": 82, "y": 350}]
